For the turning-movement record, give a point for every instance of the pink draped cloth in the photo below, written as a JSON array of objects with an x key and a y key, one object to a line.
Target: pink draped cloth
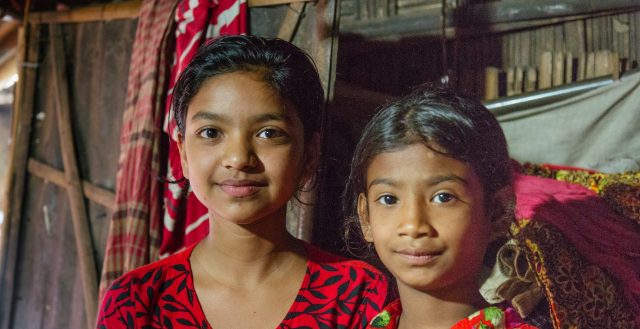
[{"x": 605, "y": 238}]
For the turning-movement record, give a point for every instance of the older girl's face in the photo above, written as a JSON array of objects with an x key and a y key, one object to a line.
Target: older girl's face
[
  {"x": 424, "y": 212},
  {"x": 242, "y": 149}
]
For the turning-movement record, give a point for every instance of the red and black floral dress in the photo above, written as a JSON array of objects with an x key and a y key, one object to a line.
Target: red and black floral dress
[{"x": 335, "y": 293}]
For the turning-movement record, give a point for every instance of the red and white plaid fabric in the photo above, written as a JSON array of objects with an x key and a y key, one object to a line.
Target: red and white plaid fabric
[
  {"x": 134, "y": 230},
  {"x": 185, "y": 218}
]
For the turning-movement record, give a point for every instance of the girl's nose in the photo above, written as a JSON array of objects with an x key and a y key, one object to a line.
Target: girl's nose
[
  {"x": 415, "y": 221},
  {"x": 239, "y": 154}
]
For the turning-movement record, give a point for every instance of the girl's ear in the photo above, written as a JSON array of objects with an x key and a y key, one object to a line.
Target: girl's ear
[
  {"x": 502, "y": 211},
  {"x": 183, "y": 156},
  {"x": 311, "y": 158},
  {"x": 363, "y": 216}
]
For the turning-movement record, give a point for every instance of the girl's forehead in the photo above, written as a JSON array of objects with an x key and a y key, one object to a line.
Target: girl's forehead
[{"x": 417, "y": 162}]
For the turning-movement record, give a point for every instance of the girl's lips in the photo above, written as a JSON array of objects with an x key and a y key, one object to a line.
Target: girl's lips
[
  {"x": 418, "y": 257},
  {"x": 240, "y": 188}
]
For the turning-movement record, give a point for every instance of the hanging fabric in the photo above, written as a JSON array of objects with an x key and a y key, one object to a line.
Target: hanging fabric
[
  {"x": 185, "y": 218},
  {"x": 134, "y": 230}
]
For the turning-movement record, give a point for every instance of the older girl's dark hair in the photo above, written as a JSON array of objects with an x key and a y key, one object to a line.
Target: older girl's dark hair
[
  {"x": 283, "y": 66},
  {"x": 445, "y": 122}
]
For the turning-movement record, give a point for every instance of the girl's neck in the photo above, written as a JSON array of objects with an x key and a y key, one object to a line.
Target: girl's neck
[
  {"x": 440, "y": 309},
  {"x": 247, "y": 254}
]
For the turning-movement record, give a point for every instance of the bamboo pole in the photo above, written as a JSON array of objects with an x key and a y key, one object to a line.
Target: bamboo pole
[
  {"x": 94, "y": 193},
  {"x": 29, "y": 41},
  {"x": 79, "y": 216}
]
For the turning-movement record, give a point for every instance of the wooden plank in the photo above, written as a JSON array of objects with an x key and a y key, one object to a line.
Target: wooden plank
[
  {"x": 106, "y": 12},
  {"x": 84, "y": 244},
  {"x": 510, "y": 81},
  {"x": 491, "y": 83},
  {"x": 635, "y": 23},
  {"x": 546, "y": 65},
  {"x": 291, "y": 21},
  {"x": 16, "y": 173},
  {"x": 8, "y": 27},
  {"x": 118, "y": 10},
  {"x": 596, "y": 30},
  {"x": 589, "y": 36},
  {"x": 590, "y": 66},
  {"x": 531, "y": 79},
  {"x": 518, "y": 79},
  {"x": 557, "y": 70},
  {"x": 266, "y": 3},
  {"x": 572, "y": 36},
  {"x": 568, "y": 68},
  {"x": 580, "y": 36},
  {"x": 603, "y": 63},
  {"x": 614, "y": 61},
  {"x": 94, "y": 193},
  {"x": 582, "y": 67}
]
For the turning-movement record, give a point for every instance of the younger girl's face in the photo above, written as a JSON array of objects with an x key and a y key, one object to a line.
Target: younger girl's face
[
  {"x": 424, "y": 213},
  {"x": 243, "y": 148}
]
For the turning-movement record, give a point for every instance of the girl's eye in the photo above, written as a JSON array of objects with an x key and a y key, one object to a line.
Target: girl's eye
[
  {"x": 443, "y": 198},
  {"x": 209, "y": 133},
  {"x": 387, "y": 200},
  {"x": 270, "y": 133}
]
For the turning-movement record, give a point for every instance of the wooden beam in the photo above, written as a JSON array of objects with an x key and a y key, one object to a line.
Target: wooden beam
[
  {"x": 28, "y": 50},
  {"x": 8, "y": 28},
  {"x": 428, "y": 23},
  {"x": 266, "y": 3},
  {"x": 291, "y": 21},
  {"x": 84, "y": 245},
  {"x": 119, "y": 10},
  {"x": 94, "y": 193},
  {"x": 106, "y": 12}
]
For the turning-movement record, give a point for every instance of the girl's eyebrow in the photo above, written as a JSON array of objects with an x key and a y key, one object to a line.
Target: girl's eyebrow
[
  {"x": 208, "y": 116},
  {"x": 271, "y": 117},
  {"x": 446, "y": 178},
  {"x": 211, "y": 116},
  {"x": 382, "y": 181},
  {"x": 429, "y": 182}
]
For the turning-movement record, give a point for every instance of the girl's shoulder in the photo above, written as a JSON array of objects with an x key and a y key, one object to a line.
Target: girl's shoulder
[
  {"x": 178, "y": 262},
  {"x": 153, "y": 293}
]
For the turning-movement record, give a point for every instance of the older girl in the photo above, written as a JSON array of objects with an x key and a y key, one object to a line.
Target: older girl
[{"x": 248, "y": 111}]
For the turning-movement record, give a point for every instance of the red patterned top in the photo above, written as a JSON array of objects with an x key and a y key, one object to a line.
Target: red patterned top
[
  {"x": 335, "y": 293},
  {"x": 492, "y": 317}
]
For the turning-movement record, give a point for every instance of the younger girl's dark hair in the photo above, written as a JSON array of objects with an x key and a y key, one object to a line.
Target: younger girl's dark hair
[
  {"x": 445, "y": 122},
  {"x": 283, "y": 66}
]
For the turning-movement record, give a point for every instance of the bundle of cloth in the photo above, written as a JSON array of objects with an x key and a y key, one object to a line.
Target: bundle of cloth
[{"x": 574, "y": 253}]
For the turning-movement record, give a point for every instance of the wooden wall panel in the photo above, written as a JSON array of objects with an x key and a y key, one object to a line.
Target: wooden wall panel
[{"x": 97, "y": 65}]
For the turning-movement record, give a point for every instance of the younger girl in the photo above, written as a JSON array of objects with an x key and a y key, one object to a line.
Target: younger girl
[
  {"x": 430, "y": 185},
  {"x": 248, "y": 111}
]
